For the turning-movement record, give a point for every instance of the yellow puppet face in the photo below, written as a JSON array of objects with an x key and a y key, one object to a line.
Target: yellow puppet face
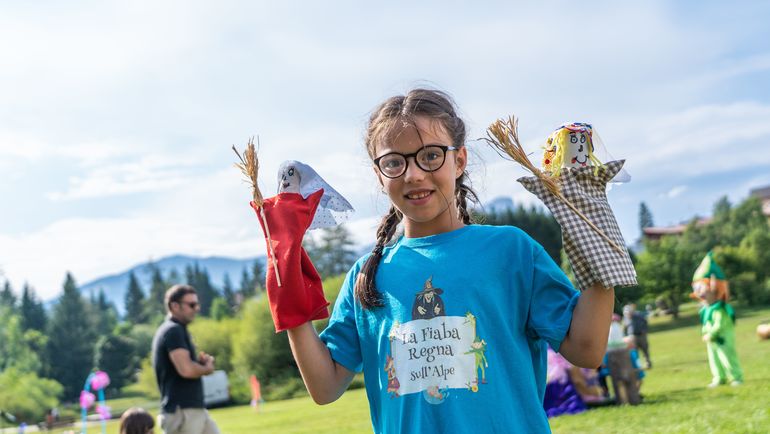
[
  {"x": 578, "y": 149},
  {"x": 571, "y": 145}
]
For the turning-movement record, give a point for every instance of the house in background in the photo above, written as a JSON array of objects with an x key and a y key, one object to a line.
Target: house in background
[
  {"x": 657, "y": 232},
  {"x": 764, "y": 196}
]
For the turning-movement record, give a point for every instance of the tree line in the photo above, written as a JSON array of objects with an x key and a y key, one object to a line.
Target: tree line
[
  {"x": 46, "y": 355},
  {"x": 738, "y": 235}
]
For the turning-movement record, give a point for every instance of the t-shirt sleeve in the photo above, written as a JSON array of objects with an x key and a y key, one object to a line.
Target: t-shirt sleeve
[
  {"x": 552, "y": 302},
  {"x": 341, "y": 335},
  {"x": 174, "y": 339}
]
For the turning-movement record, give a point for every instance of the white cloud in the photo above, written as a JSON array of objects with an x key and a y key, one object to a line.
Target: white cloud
[
  {"x": 148, "y": 174},
  {"x": 702, "y": 139},
  {"x": 675, "y": 192}
]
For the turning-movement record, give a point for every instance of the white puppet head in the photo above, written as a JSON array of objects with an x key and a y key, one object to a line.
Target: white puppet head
[
  {"x": 289, "y": 178},
  {"x": 297, "y": 177}
]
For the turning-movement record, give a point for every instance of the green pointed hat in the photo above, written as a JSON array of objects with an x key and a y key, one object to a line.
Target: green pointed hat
[{"x": 707, "y": 268}]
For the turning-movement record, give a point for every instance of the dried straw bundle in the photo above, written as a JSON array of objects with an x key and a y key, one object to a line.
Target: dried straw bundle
[
  {"x": 503, "y": 136},
  {"x": 249, "y": 167}
]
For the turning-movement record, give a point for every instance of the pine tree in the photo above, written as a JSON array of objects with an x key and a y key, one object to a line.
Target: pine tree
[
  {"x": 645, "y": 217},
  {"x": 117, "y": 355},
  {"x": 154, "y": 307},
  {"x": 258, "y": 276},
  {"x": 173, "y": 277},
  {"x": 71, "y": 339},
  {"x": 105, "y": 316},
  {"x": 199, "y": 279},
  {"x": 33, "y": 315},
  {"x": 228, "y": 293},
  {"x": 247, "y": 287},
  {"x": 134, "y": 301},
  {"x": 333, "y": 254},
  {"x": 7, "y": 297}
]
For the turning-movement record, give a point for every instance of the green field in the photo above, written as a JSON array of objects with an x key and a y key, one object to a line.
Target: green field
[{"x": 676, "y": 399}]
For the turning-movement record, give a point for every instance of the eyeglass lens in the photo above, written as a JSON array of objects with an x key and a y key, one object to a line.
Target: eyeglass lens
[{"x": 429, "y": 159}]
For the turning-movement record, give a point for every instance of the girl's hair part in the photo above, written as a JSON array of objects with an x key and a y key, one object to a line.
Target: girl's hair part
[{"x": 391, "y": 117}]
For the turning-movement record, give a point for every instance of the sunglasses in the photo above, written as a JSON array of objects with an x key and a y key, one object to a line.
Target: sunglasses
[{"x": 191, "y": 304}]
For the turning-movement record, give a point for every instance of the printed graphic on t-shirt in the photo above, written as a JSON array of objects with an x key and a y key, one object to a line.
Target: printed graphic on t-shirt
[{"x": 434, "y": 353}]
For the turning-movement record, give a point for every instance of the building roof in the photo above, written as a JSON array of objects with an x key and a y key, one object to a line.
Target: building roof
[
  {"x": 762, "y": 192},
  {"x": 658, "y": 231}
]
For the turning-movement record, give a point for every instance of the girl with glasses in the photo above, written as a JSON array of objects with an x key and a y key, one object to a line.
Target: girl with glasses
[{"x": 450, "y": 321}]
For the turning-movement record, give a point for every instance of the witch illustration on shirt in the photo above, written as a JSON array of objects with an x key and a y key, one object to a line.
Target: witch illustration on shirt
[{"x": 427, "y": 303}]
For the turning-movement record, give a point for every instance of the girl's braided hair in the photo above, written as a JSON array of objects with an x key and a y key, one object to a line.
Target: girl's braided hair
[{"x": 400, "y": 111}]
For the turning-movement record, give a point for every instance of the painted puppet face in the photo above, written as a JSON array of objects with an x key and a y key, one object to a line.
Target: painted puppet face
[
  {"x": 289, "y": 182},
  {"x": 577, "y": 148}
]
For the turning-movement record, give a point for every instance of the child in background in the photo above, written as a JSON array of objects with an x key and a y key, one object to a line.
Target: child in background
[
  {"x": 136, "y": 421},
  {"x": 634, "y": 354},
  {"x": 473, "y": 359},
  {"x": 718, "y": 320}
]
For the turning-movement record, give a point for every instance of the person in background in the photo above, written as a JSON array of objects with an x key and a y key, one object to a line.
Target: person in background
[
  {"x": 635, "y": 324},
  {"x": 718, "y": 323},
  {"x": 178, "y": 369},
  {"x": 619, "y": 366}
]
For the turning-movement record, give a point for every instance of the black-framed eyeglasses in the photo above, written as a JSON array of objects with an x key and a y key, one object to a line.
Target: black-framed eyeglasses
[{"x": 429, "y": 158}]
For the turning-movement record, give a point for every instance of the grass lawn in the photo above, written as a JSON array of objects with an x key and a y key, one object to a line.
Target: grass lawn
[{"x": 676, "y": 397}]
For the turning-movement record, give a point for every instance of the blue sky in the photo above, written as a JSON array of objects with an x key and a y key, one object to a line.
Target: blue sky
[{"x": 116, "y": 118}]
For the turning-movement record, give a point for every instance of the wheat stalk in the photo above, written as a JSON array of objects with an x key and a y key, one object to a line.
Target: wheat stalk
[
  {"x": 503, "y": 136},
  {"x": 249, "y": 167}
]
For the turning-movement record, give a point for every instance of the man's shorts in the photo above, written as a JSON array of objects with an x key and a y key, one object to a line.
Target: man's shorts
[{"x": 187, "y": 421}]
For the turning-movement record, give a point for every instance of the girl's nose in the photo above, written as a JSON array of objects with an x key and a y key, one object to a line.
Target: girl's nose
[{"x": 413, "y": 171}]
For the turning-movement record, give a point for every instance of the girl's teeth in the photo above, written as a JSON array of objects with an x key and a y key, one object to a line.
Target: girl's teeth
[{"x": 418, "y": 195}]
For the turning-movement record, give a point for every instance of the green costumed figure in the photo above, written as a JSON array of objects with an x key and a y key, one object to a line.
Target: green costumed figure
[{"x": 718, "y": 320}]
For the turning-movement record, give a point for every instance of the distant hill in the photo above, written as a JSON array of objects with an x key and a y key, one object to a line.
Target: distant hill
[{"x": 115, "y": 285}]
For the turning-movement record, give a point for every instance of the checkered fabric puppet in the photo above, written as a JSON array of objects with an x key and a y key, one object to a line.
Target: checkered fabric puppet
[
  {"x": 573, "y": 185},
  {"x": 304, "y": 201},
  {"x": 718, "y": 322}
]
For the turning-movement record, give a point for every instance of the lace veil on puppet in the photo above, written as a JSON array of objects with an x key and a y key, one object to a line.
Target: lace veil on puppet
[{"x": 296, "y": 177}]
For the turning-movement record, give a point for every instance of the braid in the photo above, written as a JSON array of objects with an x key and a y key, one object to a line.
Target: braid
[
  {"x": 462, "y": 192},
  {"x": 365, "y": 291}
]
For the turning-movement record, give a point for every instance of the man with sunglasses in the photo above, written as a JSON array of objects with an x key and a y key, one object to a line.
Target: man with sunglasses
[{"x": 179, "y": 370}]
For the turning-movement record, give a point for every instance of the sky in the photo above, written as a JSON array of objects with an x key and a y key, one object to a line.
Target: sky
[{"x": 117, "y": 118}]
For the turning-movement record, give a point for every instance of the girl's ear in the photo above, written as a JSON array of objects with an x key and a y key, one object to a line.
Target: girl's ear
[{"x": 461, "y": 161}]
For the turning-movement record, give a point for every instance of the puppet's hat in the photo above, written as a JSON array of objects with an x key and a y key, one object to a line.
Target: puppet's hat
[{"x": 707, "y": 268}]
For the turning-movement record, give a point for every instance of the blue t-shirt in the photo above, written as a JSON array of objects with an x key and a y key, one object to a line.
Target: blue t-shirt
[{"x": 460, "y": 345}]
